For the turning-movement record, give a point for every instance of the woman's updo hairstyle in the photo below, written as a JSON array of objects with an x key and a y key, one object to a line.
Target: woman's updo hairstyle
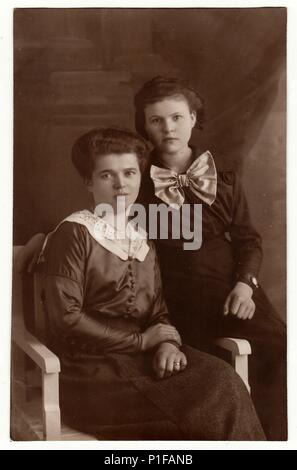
[
  {"x": 106, "y": 141},
  {"x": 160, "y": 88}
]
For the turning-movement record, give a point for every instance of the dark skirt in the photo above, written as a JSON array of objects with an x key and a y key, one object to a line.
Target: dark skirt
[
  {"x": 116, "y": 396},
  {"x": 196, "y": 284}
]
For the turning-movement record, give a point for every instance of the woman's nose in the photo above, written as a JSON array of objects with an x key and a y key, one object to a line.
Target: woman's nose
[{"x": 119, "y": 181}]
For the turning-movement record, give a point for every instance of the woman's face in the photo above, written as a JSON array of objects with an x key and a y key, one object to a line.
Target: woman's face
[
  {"x": 115, "y": 175},
  {"x": 169, "y": 124}
]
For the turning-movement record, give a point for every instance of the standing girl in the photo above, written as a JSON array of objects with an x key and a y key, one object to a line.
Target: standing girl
[{"x": 212, "y": 291}]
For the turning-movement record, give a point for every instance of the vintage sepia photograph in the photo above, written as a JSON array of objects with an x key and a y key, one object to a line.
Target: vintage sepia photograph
[{"x": 149, "y": 224}]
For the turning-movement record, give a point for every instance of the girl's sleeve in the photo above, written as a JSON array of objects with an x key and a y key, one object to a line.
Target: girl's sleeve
[
  {"x": 64, "y": 283},
  {"x": 245, "y": 239}
]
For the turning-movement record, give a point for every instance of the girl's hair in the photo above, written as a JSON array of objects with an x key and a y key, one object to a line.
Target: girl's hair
[
  {"x": 160, "y": 88},
  {"x": 105, "y": 141}
]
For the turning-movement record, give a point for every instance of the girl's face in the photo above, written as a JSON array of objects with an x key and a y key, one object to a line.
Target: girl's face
[
  {"x": 115, "y": 175},
  {"x": 169, "y": 124}
]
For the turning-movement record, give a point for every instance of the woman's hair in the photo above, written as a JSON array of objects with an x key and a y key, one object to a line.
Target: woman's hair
[
  {"x": 105, "y": 141},
  {"x": 160, "y": 88}
]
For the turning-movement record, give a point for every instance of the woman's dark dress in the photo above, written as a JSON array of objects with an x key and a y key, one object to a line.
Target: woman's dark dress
[
  {"x": 97, "y": 305},
  {"x": 197, "y": 283}
]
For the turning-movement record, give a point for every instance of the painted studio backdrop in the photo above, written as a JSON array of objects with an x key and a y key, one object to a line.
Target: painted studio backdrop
[{"x": 78, "y": 68}]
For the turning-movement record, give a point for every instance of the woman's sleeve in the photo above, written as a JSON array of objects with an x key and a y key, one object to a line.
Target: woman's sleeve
[
  {"x": 64, "y": 285},
  {"x": 245, "y": 239},
  {"x": 159, "y": 312}
]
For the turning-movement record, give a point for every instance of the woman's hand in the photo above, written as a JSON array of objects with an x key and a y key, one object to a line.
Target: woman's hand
[
  {"x": 157, "y": 334},
  {"x": 239, "y": 302},
  {"x": 168, "y": 360}
]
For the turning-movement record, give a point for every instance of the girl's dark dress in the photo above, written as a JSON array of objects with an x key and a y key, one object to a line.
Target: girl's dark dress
[
  {"x": 197, "y": 283},
  {"x": 97, "y": 305}
]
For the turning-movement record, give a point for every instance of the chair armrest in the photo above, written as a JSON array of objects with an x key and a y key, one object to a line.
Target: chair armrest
[
  {"x": 49, "y": 364},
  {"x": 240, "y": 350},
  {"x": 234, "y": 345},
  {"x": 45, "y": 359}
]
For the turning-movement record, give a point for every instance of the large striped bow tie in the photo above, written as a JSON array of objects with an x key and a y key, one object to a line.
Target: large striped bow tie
[{"x": 200, "y": 178}]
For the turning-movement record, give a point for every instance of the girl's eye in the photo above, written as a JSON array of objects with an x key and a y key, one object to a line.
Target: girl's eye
[
  {"x": 155, "y": 120},
  {"x": 177, "y": 117}
]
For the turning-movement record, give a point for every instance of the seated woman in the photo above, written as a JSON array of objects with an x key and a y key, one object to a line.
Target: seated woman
[{"x": 124, "y": 372}]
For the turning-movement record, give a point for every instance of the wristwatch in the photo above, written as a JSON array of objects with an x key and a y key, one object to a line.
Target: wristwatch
[{"x": 248, "y": 279}]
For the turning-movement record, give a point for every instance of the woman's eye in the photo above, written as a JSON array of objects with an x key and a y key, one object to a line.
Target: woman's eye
[
  {"x": 105, "y": 176},
  {"x": 177, "y": 117},
  {"x": 130, "y": 172}
]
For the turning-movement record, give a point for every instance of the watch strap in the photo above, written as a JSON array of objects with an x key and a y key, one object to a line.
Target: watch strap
[{"x": 248, "y": 279}]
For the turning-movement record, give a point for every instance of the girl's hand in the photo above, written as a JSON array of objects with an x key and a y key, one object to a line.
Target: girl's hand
[
  {"x": 168, "y": 360},
  {"x": 157, "y": 334},
  {"x": 239, "y": 302}
]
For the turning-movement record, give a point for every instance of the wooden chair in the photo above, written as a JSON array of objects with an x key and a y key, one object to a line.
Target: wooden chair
[{"x": 35, "y": 411}]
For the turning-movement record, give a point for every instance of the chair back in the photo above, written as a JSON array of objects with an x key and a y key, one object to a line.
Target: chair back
[
  {"x": 17, "y": 291},
  {"x": 28, "y": 294}
]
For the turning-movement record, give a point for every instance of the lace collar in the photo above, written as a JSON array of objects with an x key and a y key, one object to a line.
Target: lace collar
[{"x": 133, "y": 245}]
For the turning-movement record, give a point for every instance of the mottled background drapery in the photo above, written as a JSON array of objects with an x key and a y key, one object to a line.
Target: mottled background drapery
[{"x": 78, "y": 68}]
